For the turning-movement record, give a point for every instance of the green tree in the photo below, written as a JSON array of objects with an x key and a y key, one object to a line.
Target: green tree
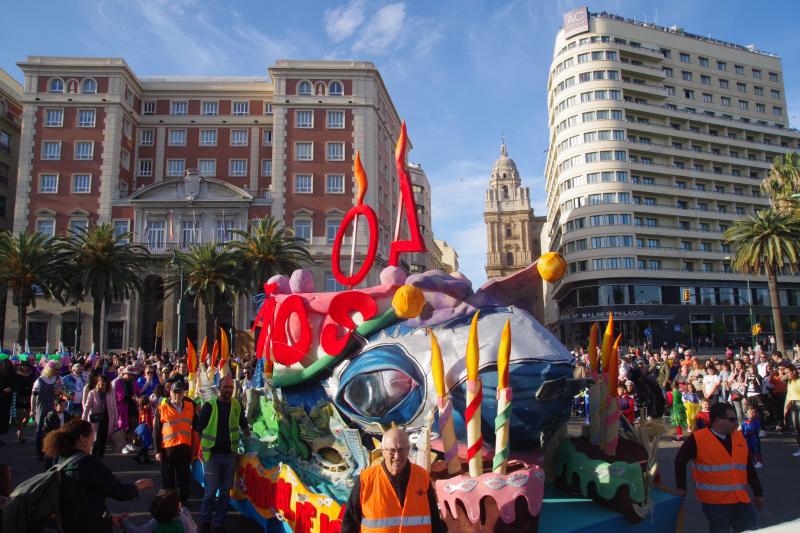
[
  {"x": 100, "y": 264},
  {"x": 268, "y": 250},
  {"x": 767, "y": 242},
  {"x": 211, "y": 278},
  {"x": 782, "y": 181},
  {"x": 27, "y": 263}
]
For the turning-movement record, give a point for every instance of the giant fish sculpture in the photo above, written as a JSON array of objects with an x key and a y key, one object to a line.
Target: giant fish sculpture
[{"x": 382, "y": 375}]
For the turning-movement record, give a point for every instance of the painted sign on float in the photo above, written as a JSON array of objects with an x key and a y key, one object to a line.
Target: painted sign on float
[{"x": 279, "y": 493}]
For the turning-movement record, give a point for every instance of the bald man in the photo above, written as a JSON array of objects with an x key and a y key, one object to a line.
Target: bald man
[
  {"x": 221, "y": 424},
  {"x": 394, "y": 495}
]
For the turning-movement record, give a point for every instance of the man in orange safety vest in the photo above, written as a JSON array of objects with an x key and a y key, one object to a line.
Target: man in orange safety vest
[{"x": 394, "y": 495}]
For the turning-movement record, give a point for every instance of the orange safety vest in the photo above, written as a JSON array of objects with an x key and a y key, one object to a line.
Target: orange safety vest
[
  {"x": 720, "y": 477},
  {"x": 380, "y": 506},
  {"x": 176, "y": 428}
]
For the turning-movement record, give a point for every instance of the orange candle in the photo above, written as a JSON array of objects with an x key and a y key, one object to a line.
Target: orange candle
[{"x": 608, "y": 337}]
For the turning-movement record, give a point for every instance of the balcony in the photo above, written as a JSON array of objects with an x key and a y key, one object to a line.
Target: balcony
[{"x": 168, "y": 248}]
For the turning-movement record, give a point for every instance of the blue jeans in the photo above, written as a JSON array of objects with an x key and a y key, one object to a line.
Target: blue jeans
[
  {"x": 219, "y": 471},
  {"x": 723, "y": 517}
]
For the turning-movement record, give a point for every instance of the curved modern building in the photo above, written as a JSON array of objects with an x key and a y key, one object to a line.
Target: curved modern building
[{"x": 659, "y": 141}]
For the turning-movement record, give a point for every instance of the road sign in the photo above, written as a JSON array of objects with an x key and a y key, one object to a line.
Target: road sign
[{"x": 648, "y": 333}]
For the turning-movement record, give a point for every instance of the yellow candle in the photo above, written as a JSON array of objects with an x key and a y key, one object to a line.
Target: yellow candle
[
  {"x": 446, "y": 428},
  {"x": 593, "y": 349},
  {"x": 608, "y": 338},
  {"x": 503, "y": 355},
  {"x": 474, "y": 400}
]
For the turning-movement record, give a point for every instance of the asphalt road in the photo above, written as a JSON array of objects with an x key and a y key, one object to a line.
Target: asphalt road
[{"x": 780, "y": 478}]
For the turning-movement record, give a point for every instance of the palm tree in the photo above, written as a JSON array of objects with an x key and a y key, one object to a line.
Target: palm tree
[
  {"x": 27, "y": 263},
  {"x": 98, "y": 263},
  {"x": 782, "y": 181},
  {"x": 211, "y": 276},
  {"x": 767, "y": 242},
  {"x": 267, "y": 251}
]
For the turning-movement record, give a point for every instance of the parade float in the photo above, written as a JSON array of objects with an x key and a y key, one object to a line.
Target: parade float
[{"x": 483, "y": 389}]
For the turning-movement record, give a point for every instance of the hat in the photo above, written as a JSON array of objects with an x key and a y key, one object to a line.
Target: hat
[
  {"x": 131, "y": 370},
  {"x": 178, "y": 384},
  {"x": 55, "y": 365}
]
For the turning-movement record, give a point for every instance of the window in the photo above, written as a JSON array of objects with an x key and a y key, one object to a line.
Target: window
[
  {"x": 331, "y": 285},
  {"x": 156, "y": 232},
  {"x": 84, "y": 150},
  {"x": 331, "y": 227},
  {"x": 225, "y": 230},
  {"x": 125, "y": 159},
  {"x": 336, "y": 151},
  {"x": 686, "y": 75},
  {"x": 146, "y": 137},
  {"x": 773, "y": 76},
  {"x": 56, "y": 86},
  {"x": 239, "y": 138},
  {"x": 667, "y": 71},
  {"x": 303, "y": 151},
  {"x": 761, "y": 108},
  {"x": 46, "y": 227},
  {"x": 266, "y": 137},
  {"x": 190, "y": 232},
  {"x": 777, "y": 111},
  {"x": 207, "y": 167},
  {"x": 149, "y": 107},
  {"x": 241, "y": 108},
  {"x": 685, "y": 58},
  {"x": 120, "y": 229},
  {"x": 209, "y": 109},
  {"x": 743, "y": 105},
  {"x": 304, "y": 87},
  {"x": 670, "y": 90},
  {"x": 723, "y": 84},
  {"x": 208, "y": 137},
  {"x": 304, "y": 119},
  {"x": 177, "y": 137},
  {"x": 86, "y": 118},
  {"x": 721, "y": 65},
  {"x": 5, "y": 141},
  {"x": 267, "y": 108},
  {"x": 739, "y": 69},
  {"x": 178, "y": 108},
  {"x": 81, "y": 183},
  {"x": 266, "y": 167},
  {"x": 741, "y": 87},
  {"x": 703, "y": 61},
  {"x": 705, "y": 80},
  {"x": 688, "y": 93},
  {"x": 145, "y": 168},
  {"x": 127, "y": 128},
  {"x": 334, "y": 184},
  {"x": 335, "y": 88},
  {"x": 78, "y": 226},
  {"x": 335, "y": 119},
  {"x": 237, "y": 167},
  {"x": 54, "y": 118},
  {"x": 48, "y": 183},
  {"x": 758, "y": 91},
  {"x": 775, "y": 93},
  {"x": 303, "y": 183},
  {"x": 51, "y": 150},
  {"x": 726, "y": 101},
  {"x": 89, "y": 86},
  {"x": 175, "y": 167}
]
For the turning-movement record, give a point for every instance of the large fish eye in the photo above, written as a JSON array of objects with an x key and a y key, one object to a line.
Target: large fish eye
[{"x": 381, "y": 385}]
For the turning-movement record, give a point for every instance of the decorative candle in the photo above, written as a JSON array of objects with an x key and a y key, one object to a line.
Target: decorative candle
[
  {"x": 608, "y": 337},
  {"x": 446, "y": 429},
  {"x": 593, "y": 350},
  {"x": 612, "y": 405},
  {"x": 503, "y": 418},
  {"x": 474, "y": 400}
]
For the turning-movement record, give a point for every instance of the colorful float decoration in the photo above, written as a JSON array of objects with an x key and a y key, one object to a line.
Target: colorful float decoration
[{"x": 336, "y": 369}]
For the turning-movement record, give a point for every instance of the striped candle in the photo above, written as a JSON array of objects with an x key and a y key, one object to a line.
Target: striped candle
[
  {"x": 474, "y": 400},
  {"x": 503, "y": 418}
]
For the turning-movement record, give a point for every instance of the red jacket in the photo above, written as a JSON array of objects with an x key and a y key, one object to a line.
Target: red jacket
[{"x": 627, "y": 407}]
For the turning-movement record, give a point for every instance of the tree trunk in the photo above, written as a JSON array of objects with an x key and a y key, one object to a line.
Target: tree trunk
[
  {"x": 209, "y": 326},
  {"x": 774, "y": 302},
  {"x": 22, "y": 317},
  {"x": 97, "y": 311}
]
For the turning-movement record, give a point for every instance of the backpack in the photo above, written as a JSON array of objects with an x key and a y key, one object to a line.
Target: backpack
[{"x": 33, "y": 507}]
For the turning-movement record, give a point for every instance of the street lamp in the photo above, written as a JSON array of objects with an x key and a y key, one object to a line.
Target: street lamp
[{"x": 176, "y": 264}]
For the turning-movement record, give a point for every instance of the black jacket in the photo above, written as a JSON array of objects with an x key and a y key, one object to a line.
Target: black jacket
[
  {"x": 85, "y": 486},
  {"x": 51, "y": 421}
]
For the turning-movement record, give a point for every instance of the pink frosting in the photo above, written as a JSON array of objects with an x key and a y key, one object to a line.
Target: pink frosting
[{"x": 504, "y": 489}]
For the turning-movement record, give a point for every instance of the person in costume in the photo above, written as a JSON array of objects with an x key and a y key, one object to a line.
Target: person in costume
[
  {"x": 751, "y": 427},
  {"x": 174, "y": 438},
  {"x": 703, "y": 418},
  {"x": 372, "y": 507},
  {"x": 44, "y": 392},
  {"x": 677, "y": 412},
  {"x": 220, "y": 424},
  {"x": 692, "y": 404},
  {"x": 722, "y": 473},
  {"x": 627, "y": 405},
  {"x": 74, "y": 383},
  {"x": 25, "y": 381}
]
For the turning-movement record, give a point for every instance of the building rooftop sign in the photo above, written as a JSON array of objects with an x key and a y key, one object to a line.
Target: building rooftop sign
[{"x": 576, "y": 21}]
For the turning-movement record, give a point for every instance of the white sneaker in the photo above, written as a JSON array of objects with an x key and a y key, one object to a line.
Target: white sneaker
[
  {"x": 762, "y": 433},
  {"x": 758, "y": 465},
  {"x": 127, "y": 449},
  {"x": 796, "y": 454}
]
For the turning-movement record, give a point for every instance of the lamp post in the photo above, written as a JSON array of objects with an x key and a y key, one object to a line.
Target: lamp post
[{"x": 176, "y": 264}]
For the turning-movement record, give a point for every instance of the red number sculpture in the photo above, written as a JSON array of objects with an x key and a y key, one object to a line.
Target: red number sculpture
[{"x": 415, "y": 242}]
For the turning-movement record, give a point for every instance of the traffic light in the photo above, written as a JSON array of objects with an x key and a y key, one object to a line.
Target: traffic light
[
  {"x": 687, "y": 295},
  {"x": 757, "y": 328}
]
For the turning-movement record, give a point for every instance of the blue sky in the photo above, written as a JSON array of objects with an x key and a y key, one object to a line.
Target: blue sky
[{"x": 461, "y": 72}]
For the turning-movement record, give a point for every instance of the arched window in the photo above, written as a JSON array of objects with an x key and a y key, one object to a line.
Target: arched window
[
  {"x": 335, "y": 88},
  {"x": 56, "y": 85},
  {"x": 505, "y": 191},
  {"x": 510, "y": 259},
  {"x": 304, "y": 87},
  {"x": 504, "y": 175},
  {"x": 89, "y": 86},
  {"x": 508, "y": 230}
]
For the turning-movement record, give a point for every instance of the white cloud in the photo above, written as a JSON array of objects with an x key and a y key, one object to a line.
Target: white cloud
[
  {"x": 383, "y": 31},
  {"x": 342, "y": 22}
]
